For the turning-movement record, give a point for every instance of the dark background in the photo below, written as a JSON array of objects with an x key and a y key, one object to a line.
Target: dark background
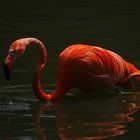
[{"x": 112, "y": 24}]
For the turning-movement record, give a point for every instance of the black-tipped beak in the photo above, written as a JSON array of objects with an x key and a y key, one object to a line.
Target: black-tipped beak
[
  {"x": 7, "y": 66},
  {"x": 7, "y": 71}
]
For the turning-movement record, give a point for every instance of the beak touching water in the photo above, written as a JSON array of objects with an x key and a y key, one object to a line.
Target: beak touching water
[{"x": 7, "y": 66}]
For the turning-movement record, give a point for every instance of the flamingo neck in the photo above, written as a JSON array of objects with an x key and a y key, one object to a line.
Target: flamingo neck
[{"x": 40, "y": 94}]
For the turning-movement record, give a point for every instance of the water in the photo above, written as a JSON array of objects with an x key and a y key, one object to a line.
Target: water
[
  {"x": 113, "y": 25},
  {"x": 22, "y": 116}
]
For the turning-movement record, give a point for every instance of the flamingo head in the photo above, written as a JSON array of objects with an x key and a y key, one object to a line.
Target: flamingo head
[{"x": 16, "y": 49}]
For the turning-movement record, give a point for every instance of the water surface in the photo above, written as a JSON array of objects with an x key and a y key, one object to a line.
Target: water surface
[{"x": 22, "y": 116}]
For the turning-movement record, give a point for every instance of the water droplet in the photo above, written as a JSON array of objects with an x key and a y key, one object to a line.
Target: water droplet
[
  {"x": 10, "y": 102},
  {"x": 123, "y": 101},
  {"x": 69, "y": 127}
]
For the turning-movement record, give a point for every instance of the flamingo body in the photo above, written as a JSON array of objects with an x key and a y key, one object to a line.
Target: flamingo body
[
  {"x": 89, "y": 68},
  {"x": 93, "y": 68}
]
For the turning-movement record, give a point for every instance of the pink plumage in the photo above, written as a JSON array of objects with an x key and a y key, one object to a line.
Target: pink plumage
[{"x": 89, "y": 68}]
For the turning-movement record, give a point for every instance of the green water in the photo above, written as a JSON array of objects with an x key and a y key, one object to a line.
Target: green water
[{"x": 113, "y": 25}]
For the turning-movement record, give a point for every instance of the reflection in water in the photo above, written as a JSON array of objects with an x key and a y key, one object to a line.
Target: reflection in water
[
  {"x": 22, "y": 117},
  {"x": 94, "y": 119},
  {"x": 46, "y": 130}
]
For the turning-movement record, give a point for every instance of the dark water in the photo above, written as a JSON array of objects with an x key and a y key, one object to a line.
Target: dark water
[
  {"x": 23, "y": 117},
  {"x": 114, "y": 25}
]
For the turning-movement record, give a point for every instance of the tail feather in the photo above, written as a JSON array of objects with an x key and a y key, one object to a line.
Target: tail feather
[{"x": 135, "y": 75}]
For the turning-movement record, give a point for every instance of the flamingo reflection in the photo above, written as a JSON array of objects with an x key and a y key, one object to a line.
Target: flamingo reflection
[{"x": 94, "y": 119}]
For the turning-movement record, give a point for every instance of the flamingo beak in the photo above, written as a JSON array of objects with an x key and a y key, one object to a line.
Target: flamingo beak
[{"x": 7, "y": 66}]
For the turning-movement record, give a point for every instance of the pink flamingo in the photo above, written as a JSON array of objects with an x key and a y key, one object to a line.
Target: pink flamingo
[{"x": 89, "y": 68}]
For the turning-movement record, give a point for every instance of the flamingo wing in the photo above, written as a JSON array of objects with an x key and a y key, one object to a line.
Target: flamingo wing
[
  {"x": 95, "y": 68},
  {"x": 84, "y": 66}
]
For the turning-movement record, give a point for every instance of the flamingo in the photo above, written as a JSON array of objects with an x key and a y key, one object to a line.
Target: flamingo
[{"x": 89, "y": 68}]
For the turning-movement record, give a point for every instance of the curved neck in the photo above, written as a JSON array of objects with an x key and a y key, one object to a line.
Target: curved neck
[
  {"x": 61, "y": 88},
  {"x": 40, "y": 94}
]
